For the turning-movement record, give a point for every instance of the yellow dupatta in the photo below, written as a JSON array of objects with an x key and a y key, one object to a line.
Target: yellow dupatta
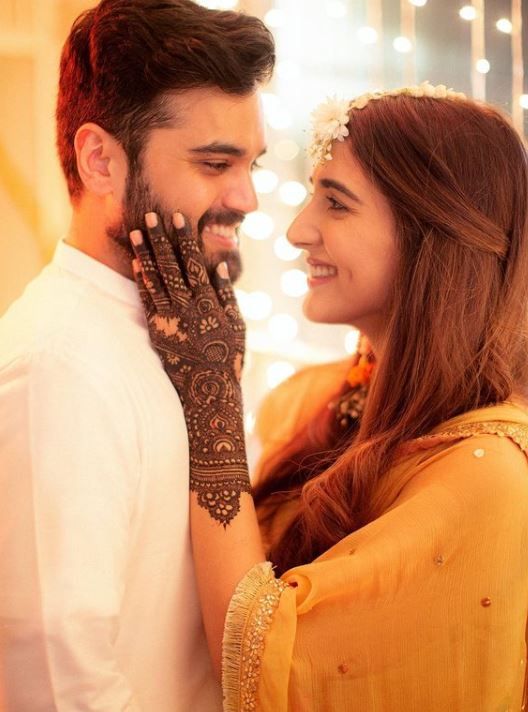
[{"x": 424, "y": 609}]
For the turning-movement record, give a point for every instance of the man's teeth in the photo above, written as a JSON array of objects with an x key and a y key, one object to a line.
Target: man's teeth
[
  {"x": 322, "y": 271},
  {"x": 222, "y": 230}
]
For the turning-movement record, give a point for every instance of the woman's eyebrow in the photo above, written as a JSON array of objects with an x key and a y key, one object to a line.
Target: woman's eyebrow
[{"x": 336, "y": 185}]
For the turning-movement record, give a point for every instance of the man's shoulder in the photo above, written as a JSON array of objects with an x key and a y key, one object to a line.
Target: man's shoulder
[
  {"x": 59, "y": 324},
  {"x": 44, "y": 311},
  {"x": 66, "y": 316}
]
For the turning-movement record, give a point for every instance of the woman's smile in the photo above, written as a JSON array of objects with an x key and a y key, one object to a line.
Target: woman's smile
[{"x": 320, "y": 272}]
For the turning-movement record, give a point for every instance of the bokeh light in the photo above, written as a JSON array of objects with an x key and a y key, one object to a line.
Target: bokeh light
[
  {"x": 277, "y": 115},
  {"x": 352, "y": 341},
  {"x": 336, "y": 8},
  {"x": 264, "y": 180},
  {"x": 468, "y": 12},
  {"x": 292, "y": 193},
  {"x": 258, "y": 225},
  {"x": 288, "y": 70},
  {"x": 294, "y": 283},
  {"x": 285, "y": 250},
  {"x": 283, "y": 328},
  {"x": 255, "y": 305},
  {"x": 367, "y": 35},
  {"x": 286, "y": 149},
  {"x": 504, "y": 25},
  {"x": 279, "y": 371},
  {"x": 402, "y": 44},
  {"x": 275, "y": 18},
  {"x": 250, "y": 421}
]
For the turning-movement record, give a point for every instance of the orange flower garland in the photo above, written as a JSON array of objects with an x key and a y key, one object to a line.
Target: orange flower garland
[
  {"x": 361, "y": 373},
  {"x": 349, "y": 407}
]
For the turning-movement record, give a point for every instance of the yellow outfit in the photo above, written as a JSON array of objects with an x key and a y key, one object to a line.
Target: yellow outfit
[{"x": 422, "y": 610}]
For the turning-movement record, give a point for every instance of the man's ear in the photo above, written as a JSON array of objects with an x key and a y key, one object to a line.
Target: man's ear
[{"x": 101, "y": 160}]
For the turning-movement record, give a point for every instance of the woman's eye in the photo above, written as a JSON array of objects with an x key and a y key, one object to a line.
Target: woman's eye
[
  {"x": 255, "y": 166},
  {"x": 333, "y": 204}
]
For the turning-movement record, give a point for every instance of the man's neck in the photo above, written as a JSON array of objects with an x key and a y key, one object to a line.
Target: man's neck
[{"x": 88, "y": 234}]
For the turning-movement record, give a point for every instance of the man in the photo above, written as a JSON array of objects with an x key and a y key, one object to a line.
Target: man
[{"x": 157, "y": 109}]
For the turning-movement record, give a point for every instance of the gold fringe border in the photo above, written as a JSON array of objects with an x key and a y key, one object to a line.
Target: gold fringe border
[{"x": 248, "y": 618}]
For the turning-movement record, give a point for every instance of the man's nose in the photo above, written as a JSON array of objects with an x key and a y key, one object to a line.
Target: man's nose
[{"x": 242, "y": 196}]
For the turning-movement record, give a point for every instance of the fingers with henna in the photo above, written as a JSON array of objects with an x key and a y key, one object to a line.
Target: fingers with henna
[
  {"x": 143, "y": 291},
  {"x": 193, "y": 259},
  {"x": 149, "y": 272},
  {"x": 166, "y": 260},
  {"x": 226, "y": 296}
]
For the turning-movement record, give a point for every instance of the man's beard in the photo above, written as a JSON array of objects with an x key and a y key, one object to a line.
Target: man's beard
[{"x": 140, "y": 199}]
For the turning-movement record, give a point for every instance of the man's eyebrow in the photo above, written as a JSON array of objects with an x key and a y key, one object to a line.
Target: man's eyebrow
[
  {"x": 336, "y": 185},
  {"x": 224, "y": 148}
]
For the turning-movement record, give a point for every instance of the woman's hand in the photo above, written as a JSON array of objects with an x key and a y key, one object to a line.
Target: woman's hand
[{"x": 199, "y": 334}]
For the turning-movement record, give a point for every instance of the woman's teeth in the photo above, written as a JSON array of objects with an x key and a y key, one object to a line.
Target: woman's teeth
[{"x": 317, "y": 271}]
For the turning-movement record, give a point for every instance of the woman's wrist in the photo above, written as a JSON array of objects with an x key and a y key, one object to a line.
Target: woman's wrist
[{"x": 218, "y": 462}]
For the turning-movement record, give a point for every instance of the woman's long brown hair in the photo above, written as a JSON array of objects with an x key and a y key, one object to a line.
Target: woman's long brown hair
[{"x": 455, "y": 173}]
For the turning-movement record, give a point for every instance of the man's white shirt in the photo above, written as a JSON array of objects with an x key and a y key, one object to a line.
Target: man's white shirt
[{"x": 98, "y": 603}]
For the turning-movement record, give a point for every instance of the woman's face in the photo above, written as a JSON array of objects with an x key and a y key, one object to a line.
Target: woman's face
[{"x": 348, "y": 232}]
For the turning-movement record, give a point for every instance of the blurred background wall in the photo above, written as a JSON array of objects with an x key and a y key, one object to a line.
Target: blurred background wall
[{"x": 325, "y": 47}]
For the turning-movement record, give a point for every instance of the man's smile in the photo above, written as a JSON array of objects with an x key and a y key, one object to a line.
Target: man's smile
[{"x": 225, "y": 236}]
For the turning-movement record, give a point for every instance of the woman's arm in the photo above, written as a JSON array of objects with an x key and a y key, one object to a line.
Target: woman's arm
[
  {"x": 199, "y": 334},
  {"x": 222, "y": 558}
]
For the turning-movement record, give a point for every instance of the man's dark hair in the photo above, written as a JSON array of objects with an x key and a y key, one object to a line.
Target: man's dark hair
[{"x": 123, "y": 57}]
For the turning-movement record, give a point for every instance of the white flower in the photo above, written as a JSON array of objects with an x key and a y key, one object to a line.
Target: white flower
[
  {"x": 362, "y": 101},
  {"x": 330, "y": 120},
  {"x": 429, "y": 89},
  {"x": 329, "y": 123},
  {"x": 332, "y": 109}
]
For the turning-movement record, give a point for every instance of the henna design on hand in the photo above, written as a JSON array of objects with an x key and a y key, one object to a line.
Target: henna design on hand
[{"x": 199, "y": 334}]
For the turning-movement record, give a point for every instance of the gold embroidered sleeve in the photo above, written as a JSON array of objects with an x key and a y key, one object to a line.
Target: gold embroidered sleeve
[
  {"x": 516, "y": 432},
  {"x": 248, "y": 620}
]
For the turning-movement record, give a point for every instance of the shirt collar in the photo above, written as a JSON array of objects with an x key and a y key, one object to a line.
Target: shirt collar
[{"x": 104, "y": 278}]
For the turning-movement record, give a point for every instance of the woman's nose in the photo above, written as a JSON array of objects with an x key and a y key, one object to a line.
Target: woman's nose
[{"x": 302, "y": 233}]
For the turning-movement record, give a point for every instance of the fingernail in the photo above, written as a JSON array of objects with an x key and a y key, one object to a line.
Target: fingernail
[
  {"x": 151, "y": 219},
  {"x": 135, "y": 266},
  {"x": 222, "y": 270},
  {"x": 178, "y": 221},
  {"x": 136, "y": 237}
]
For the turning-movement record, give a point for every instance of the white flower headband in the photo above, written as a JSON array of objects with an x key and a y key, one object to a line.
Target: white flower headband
[{"x": 330, "y": 119}]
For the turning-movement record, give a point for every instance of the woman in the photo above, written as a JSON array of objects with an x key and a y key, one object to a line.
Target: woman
[{"x": 399, "y": 530}]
